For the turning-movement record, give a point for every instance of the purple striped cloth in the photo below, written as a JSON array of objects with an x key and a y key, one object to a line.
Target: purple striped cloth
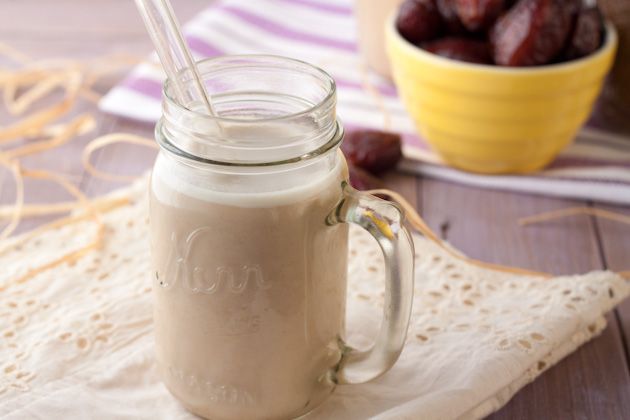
[{"x": 596, "y": 167}]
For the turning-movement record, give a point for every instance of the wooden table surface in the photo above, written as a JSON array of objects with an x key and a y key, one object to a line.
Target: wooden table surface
[{"x": 592, "y": 383}]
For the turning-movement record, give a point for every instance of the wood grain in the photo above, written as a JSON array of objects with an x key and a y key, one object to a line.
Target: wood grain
[
  {"x": 592, "y": 383},
  {"x": 615, "y": 248},
  {"x": 484, "y": 224}
]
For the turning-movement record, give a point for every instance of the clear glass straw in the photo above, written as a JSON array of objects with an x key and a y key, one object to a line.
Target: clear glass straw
[{"x": 164, "y": 29}]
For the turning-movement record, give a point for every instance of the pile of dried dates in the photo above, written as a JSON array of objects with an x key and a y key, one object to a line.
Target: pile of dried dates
[
  {"x": 370, "y": 153},
  {"x": 503, "y": 32}
]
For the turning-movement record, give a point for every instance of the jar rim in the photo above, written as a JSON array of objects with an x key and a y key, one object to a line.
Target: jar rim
[
  {"x": 168, "y": 146},
  {"x": 240, "y": 58},
  {"x": 272, "y": 110}
]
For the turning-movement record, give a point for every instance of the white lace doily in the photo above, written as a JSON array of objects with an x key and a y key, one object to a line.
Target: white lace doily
[{"x": 76, "y": 341}]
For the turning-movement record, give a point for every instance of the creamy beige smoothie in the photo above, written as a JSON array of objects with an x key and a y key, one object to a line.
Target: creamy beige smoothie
[{"x": 249, "y": 293}]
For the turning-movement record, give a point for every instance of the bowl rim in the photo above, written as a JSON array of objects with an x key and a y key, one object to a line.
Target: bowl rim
[{"x": 609, "y": 45}]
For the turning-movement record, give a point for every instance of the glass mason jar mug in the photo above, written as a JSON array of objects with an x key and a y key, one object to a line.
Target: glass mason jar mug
[{"x": 249, "y": 218}]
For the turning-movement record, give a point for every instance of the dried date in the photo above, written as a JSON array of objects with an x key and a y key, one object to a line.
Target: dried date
[
  {"x": 362, "y": 180},
  {"x": 419, "y": 20},
  {"x": 478, "y": 15},
  {"x": 462, "y": 49},
  {"x": 372, "y": 150},
  {"x": 532, "y": 32},
  {"x": 587, "y": 34},
  {"x": 448, "y": 11}
]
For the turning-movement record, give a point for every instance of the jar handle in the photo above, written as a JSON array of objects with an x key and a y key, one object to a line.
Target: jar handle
[{"x": 384, "y": 221}]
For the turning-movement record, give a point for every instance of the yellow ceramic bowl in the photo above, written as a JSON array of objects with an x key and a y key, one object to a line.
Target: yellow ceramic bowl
[{"x": 492, "y": 119}]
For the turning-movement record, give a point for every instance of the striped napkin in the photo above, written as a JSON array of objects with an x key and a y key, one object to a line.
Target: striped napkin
[{"x": 322, "y": 32}]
